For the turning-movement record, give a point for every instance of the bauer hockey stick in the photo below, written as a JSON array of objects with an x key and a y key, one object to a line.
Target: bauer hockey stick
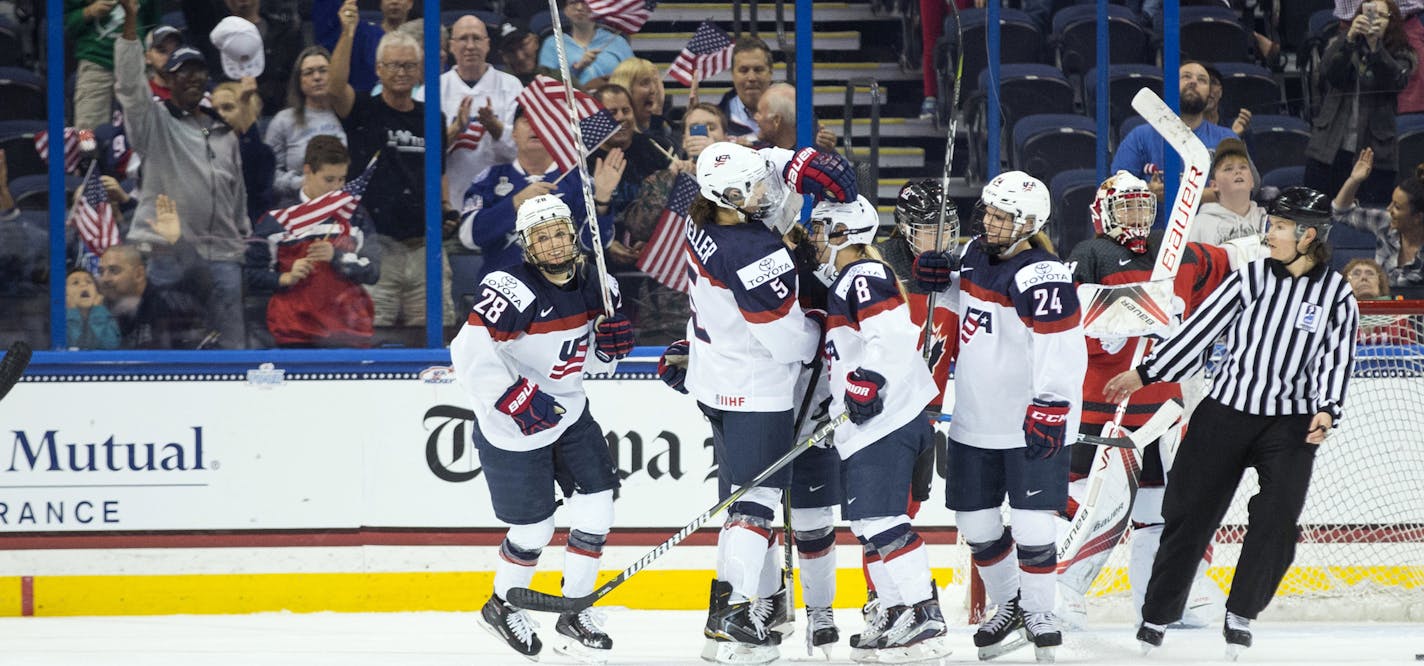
[
  {"x": 1097, "y": 521},
  {"x": 17, "y": 358},
  {"x": 928, "y": 329},
  {"x": 523, "y": 597},
  {"x": 590, "y": 208}
]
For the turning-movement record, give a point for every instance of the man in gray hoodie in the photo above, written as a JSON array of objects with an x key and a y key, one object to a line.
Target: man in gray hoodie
[{"x": 192, "y": 156}]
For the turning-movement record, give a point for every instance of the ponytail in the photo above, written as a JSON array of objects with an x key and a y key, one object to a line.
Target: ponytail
[
  {"x": 1040, "y": 240},
  {"x": 874, "y": 253},
  {"x": 702, "y": 211}
]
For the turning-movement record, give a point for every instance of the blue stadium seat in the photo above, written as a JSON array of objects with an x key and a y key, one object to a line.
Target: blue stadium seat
[
  {"x": 23, "y": 94},
  {"x": 1123, "y": 83},
  {"x": 1280, "y": 179},
  {"x": 17, "y": 139},
  {"x": 32, "y": 192},
  {"x": 1277, "y": 141},
  {"x": 1127, "y": 125},
  {"x": 1248, "y": 86},
  {"x": 1344, "y": 236},
  {"x": 1339, "y": 256},
  {"x": 1213, "y": 34},
  {"x": 1071, "y": 220},
  {"x": 1024, "y": 89},
  {"x": 1020, "y": 42},
  {"x": 465, "y": 270},
  {"x": 1075, "y": 37},
  {"x": 1049, "y": 143},
  {"x": 1410, "y": 129}
]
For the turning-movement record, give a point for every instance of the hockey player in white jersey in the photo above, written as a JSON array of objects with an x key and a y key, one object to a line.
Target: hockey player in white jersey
[
  {"x": 1018, "y": 394},
  {"x": 879, "y": 379},
  {"x": 747, "y": 341},
  {"x": 536, "y": 327}
]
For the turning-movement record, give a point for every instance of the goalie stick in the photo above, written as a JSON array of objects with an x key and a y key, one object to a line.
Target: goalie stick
[
  {"x": 17, "y": 358},
  {"x": 1091, "y": 524},
  {"x": 523, "y": 597}
]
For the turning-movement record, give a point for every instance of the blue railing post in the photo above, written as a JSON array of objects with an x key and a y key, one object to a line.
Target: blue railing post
[
  {"x": 434, "y": 148},
  {"x": 1171, "y": 93},
  {"x": 806, "y": 88},
  {"x": 994, "y": 130},
  {"x": 1103, "y": 111},
  {"x": 58, "y": 205}
]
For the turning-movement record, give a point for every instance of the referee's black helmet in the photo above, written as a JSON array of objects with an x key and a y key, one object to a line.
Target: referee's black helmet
[{"x": 1304, "y": 206}]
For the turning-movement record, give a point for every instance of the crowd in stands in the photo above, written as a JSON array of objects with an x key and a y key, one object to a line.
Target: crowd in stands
[{"x": 216, "y": 120}]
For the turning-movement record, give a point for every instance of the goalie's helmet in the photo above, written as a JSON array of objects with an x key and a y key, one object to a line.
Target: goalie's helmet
[
  {"x": 741, "y": 179},
  {"x": 544, "y": 227},
  {"x": 1123, "y": 210},
  {"x": 1019, "y": 195},
  {"x": 917, "y": 214},
  {"x": 837, "y": 226}
]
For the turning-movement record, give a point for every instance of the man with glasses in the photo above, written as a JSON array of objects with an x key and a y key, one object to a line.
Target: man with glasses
[
  {"x": 393, "y": 124},
  {"x": 480, "y": 101}
]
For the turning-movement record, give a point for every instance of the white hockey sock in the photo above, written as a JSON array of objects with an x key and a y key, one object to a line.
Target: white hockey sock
[
  {"x": 519, "y": 554},
  {"x": 993, "y": 549},
  {"x": 1145, "y": 541},
  {"x": 581, "y": 558},
  {"x": 885, "y": 588},
  {"x": 910, "y": 567},
  {"x": 816, "y": 554},
  {"x": 770, "y": 581},
  {"x": 818, "y": 578},
  {"x": 1037, "y": 558},
  {"x": 742, "y": 548}
]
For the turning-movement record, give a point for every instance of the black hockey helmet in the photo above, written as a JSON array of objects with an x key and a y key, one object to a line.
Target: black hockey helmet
[
  {"x": 1305, "y": 207},
  {"x": 917, "y": 213}
]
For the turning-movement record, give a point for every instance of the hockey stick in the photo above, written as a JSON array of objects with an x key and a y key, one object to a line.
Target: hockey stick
[
  {"x": 787, "y": 574},
  {"x": 17, "y": 358},
  {"x": 590, "y": 209},
  {"x": 523, "y": 597},
  {"x": 1111, "y": 442},
  {"x": 928, "y": 329}
]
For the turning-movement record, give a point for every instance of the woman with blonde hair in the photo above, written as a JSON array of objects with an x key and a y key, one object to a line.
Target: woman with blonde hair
[{"x": 645, "y": 87}]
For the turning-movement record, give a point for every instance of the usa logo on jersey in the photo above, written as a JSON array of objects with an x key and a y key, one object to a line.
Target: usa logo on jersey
[
  {"x": 571, "y": 357},
  {"x": 975, "y": 319}
]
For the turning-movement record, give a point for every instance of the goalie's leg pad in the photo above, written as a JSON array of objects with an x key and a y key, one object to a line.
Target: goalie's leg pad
[{"x": 519, "y": 554}]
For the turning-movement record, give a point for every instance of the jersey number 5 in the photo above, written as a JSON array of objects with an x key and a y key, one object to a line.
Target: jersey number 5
[
  {"x": 491, "y": 305},
  {"x": 1045, "y": 302}
]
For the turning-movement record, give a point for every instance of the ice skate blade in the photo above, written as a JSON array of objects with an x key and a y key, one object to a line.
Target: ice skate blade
[
  {"x": 495, "y": 632},
  {"x": 1233, "y": 651},
  {"x": 1044, "y": 655},
  {"x": 864, "y": 656},
  {"x": 577, "y": 651},
  {"x": 1010, "y": 643},
  {"x": 932, "y": 651},
  {"x": 742, "y": 653},
  {"x": 1146, "y": 647}
]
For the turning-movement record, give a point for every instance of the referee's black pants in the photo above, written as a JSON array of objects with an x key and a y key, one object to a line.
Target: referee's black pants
[{"x": 1219, "y": 445}]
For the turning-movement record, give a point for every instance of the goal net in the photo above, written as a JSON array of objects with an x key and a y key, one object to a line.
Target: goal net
[{"x": 1360, "y": 554}]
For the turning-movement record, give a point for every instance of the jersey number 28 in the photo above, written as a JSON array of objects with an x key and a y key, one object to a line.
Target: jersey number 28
[{"x": 491, "y": 305}]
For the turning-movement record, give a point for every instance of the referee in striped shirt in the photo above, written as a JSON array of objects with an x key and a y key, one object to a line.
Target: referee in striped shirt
[{"x": 1290, "y": 326}]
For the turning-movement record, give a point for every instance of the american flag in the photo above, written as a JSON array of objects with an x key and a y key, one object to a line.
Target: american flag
[
  {"x": 707, "y": 55},
  {"x": 470, "y": 138},
  {"x": 543, "y": 101},
  {"x": 596, "y": 129},
  {"x": 627, "y": 16},
  {"x": 72, "y": 150},
  {"x": 338, "y": 206},
  {"x": 93, "y": 217},
  {"x": 663, "y": 259}
]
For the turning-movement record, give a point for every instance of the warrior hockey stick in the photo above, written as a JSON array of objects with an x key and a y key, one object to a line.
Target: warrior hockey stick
[
  {"x": 591, "y": 217},
  {"x": 928, "y": 330},
  {"x": 523, "y": 597},
  {"x": 13, "y": 365},
  {"x": 1128, "y": 442}
]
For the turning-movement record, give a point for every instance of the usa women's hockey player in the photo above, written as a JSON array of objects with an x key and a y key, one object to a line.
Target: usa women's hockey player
[
  {"x": 521, "y": 357},
  {"x": 880, "y": 380},
  {"x": 1021, "y": 361}
]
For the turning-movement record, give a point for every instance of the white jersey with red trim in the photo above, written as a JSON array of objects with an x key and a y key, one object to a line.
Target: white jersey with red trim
[
  {"x": 522, "y": 325},
  {"x": 868, "y": 326},
  {"x": 1020, "y": 338},
  {"x": 747, "y": 336}
]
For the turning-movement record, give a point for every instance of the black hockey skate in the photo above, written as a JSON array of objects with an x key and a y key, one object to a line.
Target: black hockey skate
[
  {"x": 511, "y": 625},
  {"x": 916, "y": 635},
  {"x": 1042, "y": 630},
  {"x": 1237, "y": 632},
  {"x": 1149, "y": 636},
  {"x": 863, "y": 644},
  {"x": 1001, "y": 633},
  {"x": 783, "y": 614},
  {"x": 720, "y": 595},
  {"x": 582, "y": 637},
  {"x": 821, "y": 630},
  {"x": 744, "y": 634}
]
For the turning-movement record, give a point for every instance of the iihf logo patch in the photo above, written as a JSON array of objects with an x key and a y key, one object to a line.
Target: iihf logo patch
[{"x": 1308, "y": 317}]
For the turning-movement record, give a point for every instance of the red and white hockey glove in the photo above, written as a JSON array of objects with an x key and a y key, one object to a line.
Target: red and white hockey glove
[
  {"x": 534, "y": 410},
  {"x": 862, "y": 395},
  {"x": 1045, "y": 427},
  {"x": 613, "y": 337}
]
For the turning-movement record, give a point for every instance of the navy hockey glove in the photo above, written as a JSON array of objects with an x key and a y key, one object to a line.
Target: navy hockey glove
[
  {"x": 534, "y": 410},
  {"x": 824, "y": 176},
  {"x": 672, "y": 367},
  {"x": 862, "y": 395},
  {"x": 932, "y": 270},
  {"x": 613, "y": 337},
  {"x": 1045, "y": 427}
]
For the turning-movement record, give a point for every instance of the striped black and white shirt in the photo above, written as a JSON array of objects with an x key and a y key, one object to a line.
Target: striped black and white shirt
[{"x": 1290, "y": 341}]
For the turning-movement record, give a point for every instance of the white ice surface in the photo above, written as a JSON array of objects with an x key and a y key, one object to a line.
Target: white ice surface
[{"x": 641, "y": 637}]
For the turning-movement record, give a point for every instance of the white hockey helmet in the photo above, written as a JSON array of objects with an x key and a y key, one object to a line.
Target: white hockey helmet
[
  {"x": 1124, "y": 209},
  {"x": 540, "y": 219},
  {"x": 741, "y": 179},
  {"x": 1020, "y": 195},
  {"x": 837, "y": 226}
]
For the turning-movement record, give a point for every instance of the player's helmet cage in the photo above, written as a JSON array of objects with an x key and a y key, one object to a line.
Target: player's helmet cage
[
  {"x": 741, "y": 179},
  {"x": 838, "y": 226},
  {"x": 1019, "y": 195},
  {"x": 1307, "y": 208},
  {"x": 544, "y": 228},
  {"x": 1123, "y": 210},
  {"x": 917, "y": 214}
]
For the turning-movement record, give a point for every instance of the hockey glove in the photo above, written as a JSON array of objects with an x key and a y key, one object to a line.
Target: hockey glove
[
  {"x": 672, "y": 367},
  {"x": 932, "y": 270},
  {"x": 613, "y": 337},
  {"x": 534, "y": 410},
  {"x": 1045, "y": 427},
  {"x": 862, "y": 395},
  {"x": 824, "y": 176}
]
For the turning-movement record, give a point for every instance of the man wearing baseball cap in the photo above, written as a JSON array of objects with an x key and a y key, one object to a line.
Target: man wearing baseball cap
[
  {"x": 92, "y": 26},
  {"x": 160, "y": 43}
]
